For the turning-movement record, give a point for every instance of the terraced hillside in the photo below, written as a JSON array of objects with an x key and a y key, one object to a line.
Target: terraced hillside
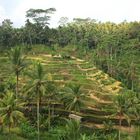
[
  {"x": 78, "y": 71},
  {"x": 95, "y": 84}
]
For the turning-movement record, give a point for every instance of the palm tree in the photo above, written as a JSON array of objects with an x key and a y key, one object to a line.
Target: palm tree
[
  {"x": 51, "y": 97},
  {"x": 133, "y": 104},
  {"x": 72, "y": 97},
  {"x": 37, "y": 88},
  {"x": 121, "y": 104},
  {"x": 137, "y": 133},
  {"x": 17, "y": 59},
  {"x": 72, "y": 130},
  {"x": 10, "y": 109}
]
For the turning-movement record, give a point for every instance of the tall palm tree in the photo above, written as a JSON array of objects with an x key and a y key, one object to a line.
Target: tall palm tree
[
  {"x": 121, "y": 104},
  {"x": 133, "y": 104},
  {"x": 37, "y": 87},
  {"x": 18, "y": 63},
  {"x": 10, "y": 109},
  {"x": 51, "y": 98},
  {"x": 73, "y": 97}
]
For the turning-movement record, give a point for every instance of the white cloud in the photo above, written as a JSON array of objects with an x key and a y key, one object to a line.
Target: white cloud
[
  {"x": 104, "y": 10},
  {"x": 2, "y": 13}
]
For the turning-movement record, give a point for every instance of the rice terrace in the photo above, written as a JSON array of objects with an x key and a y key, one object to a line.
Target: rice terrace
[{"x": 77, "y": 81}]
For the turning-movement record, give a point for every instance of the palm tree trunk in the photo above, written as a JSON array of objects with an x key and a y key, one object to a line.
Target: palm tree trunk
[
  {"x": 132, "y": 85},
  {"x": 40, "y": 100},
  {"x": 30, "y": 38},
  {"x": 38, "y": 118},
  {"x": 49, "y": 117},
  {"x": 52, "y": 110},
  {"x": 9, "y": 127},
  {"x": 120, "y": 123},
  {"x": 17, "y": 79}
]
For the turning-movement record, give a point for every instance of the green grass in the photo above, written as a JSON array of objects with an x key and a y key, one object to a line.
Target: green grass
[
  {"x": 67, "y": 70},
  {"x": 11, "y": 137}
]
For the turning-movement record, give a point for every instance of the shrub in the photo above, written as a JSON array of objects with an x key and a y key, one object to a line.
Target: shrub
[
  {"x": 57, "y": 133},
  {"x": 65, "y": 56},
  {"x": 27, "y": 130}
]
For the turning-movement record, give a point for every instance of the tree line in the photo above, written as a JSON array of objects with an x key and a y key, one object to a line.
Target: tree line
[{"x": 112, "y": 47}]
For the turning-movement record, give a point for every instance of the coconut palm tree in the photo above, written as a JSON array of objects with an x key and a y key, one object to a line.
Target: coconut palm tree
[
  {"x": 121, "y": 104},
  {"x": 72, "y": 130},
  {"x": 137, "y": 133},
  {"x": 10, "y": 110},
  {"x": 37, "y": 88},
  {"x": 73, "y": 97},
  {"x": 18, "y": 63},
  {"x": 51, "y": 98},
  {"x": 133, "y": 104}
]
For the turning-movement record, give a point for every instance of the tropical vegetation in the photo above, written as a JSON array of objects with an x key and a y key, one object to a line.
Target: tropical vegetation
[{"x": 78, "y": 81}]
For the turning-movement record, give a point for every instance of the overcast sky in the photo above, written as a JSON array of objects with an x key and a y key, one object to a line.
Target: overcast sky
[{"x": 101, "y": 10}]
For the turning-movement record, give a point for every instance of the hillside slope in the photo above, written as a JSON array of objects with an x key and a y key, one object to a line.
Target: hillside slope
[{"x": 95, "y": 83}]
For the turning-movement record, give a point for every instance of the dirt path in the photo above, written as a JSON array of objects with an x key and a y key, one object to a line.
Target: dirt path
[
  {"x": 85, "y": 69},
  {"x": 101, "y": 126},
  {"x": 100, "y": 100}
]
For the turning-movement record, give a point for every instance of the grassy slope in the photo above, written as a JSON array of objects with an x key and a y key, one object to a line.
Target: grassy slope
[{"x": 96, "y": 84}]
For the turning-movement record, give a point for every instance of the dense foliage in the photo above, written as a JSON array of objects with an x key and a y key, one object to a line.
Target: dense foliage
[
  {"x": 35, "y": 94},
  {"x": 115, "y": 47}
]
